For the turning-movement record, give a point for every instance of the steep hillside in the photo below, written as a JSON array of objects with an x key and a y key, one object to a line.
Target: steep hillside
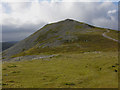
[{"x": 64, "y": 36}]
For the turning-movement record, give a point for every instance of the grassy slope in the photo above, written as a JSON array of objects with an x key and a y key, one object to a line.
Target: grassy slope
[
  {"x": 113, "y": 34},
  {"x": 65, "y": 70},
  {"x": 88, "y": 41},
  {"x": 78, "y": 65}
]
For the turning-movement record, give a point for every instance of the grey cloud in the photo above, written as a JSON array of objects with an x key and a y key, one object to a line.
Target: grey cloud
[
  {"x": 92, "y": 13},
  {"x": 13, "y": 33}
]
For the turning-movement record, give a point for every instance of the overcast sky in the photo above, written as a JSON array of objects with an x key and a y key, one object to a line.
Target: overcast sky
[{"x": 20, "y": 19}]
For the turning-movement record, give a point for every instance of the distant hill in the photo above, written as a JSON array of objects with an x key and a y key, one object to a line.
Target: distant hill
[
  {"x": 6, "y": 45},
  {"x": 64, "y": 36}
]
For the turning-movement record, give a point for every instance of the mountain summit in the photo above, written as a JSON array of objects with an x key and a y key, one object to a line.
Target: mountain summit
[{"x": 68, "y": 34}]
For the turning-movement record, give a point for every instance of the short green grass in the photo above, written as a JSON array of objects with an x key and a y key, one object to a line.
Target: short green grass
[{"x": 68, "y": 70}]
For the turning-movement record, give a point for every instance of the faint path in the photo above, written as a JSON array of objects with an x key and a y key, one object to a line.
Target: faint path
[{"x": 104, "y": 35}]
